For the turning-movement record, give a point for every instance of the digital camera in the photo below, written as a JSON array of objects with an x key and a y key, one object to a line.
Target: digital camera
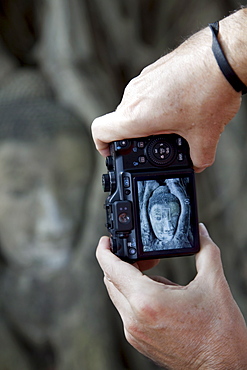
[{"x": 151, "y": 208}]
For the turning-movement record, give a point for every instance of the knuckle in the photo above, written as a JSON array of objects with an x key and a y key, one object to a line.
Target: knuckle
[
  {"x": 135, "y": 333},
  {"x": 131, "y": 85},
  {"x": 203, "y": 162},
  {"x": 129, "y": 337},
  {"x": 95, "y": 124},
  {"x": 207, "y": 156},
  {"x": 145, "y": 315},
  {"x": 132, "y": 340},
  {"x": 147, "y": 311},
  {"x": 94, "y": 128},
  {"x": 215, "y": 252},
  {"x": 132, "y": 329}
]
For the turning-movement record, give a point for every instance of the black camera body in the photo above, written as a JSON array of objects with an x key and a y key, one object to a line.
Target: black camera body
[{"x": 151, "y": 208}]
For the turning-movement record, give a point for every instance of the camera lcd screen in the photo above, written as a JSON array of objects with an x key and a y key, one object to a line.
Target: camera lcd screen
[{"x": 166, "y": 214}]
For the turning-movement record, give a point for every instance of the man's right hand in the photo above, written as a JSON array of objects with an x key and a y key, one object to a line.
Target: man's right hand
[{"x": 183, "y": 92}]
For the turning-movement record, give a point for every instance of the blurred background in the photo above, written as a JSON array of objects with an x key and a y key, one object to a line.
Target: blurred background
[{"x": 62, "y": 63}]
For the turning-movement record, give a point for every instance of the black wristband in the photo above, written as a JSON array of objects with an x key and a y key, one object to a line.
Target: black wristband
[{"x": 223, "y": 63}]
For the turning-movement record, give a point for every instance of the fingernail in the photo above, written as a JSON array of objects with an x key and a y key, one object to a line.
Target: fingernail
[{"x": 203, "y": 230}]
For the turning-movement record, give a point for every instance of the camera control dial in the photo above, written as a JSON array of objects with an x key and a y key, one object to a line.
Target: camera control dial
[
  {"x": 160, "y": 152},
  {"x": 109, "y": 182},
  {"x": 109, "y": 163}
]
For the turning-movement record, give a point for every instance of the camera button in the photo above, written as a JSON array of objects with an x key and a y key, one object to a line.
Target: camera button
[
  {"x": 142, "y": 159},
  {"x": 180, "y": 157},
  {"x": 124, "y": 218},
  {"x": 132, "y": 251},
  {"x": 109, "y": 162},
  {"x": 126, "y": 182},
  {"x": 106, "y": 182},
  {"x": 179, "y": 141},
  {"x": 123, "y": 143},
  {"x": 141, "y": 144},
  {"x": 114, "y": 246}
]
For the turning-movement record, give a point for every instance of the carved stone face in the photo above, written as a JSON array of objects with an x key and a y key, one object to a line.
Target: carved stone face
[
  {"x": 42, "y": 188},
  {"x": 164, "y": 220}
]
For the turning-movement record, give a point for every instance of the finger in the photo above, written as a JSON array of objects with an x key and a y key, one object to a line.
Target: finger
[
  {"x": 125, "y": 277},
  {"x": 119, "y": 125},
  {"x": 202, "y": 152},
  {"x": 118, "y": 299},
  {"x": 208, "y": 260},
  {"x": 108, "y": 128},
  {"x": 146, "y": 265},
  {"x": 97, "y": 129}
]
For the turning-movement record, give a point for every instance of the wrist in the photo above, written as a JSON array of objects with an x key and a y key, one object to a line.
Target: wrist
[
  {"x": 233, "y": 40},
  {"x": 218, "y": 99},
  {"x": 229, "y": 353},
  {"x": 210, "y": 78}
]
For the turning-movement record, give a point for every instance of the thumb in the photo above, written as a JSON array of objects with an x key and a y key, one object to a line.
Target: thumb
[
  {"x": 208, "y": 260},
  {"x": 202, "y": 150}
]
